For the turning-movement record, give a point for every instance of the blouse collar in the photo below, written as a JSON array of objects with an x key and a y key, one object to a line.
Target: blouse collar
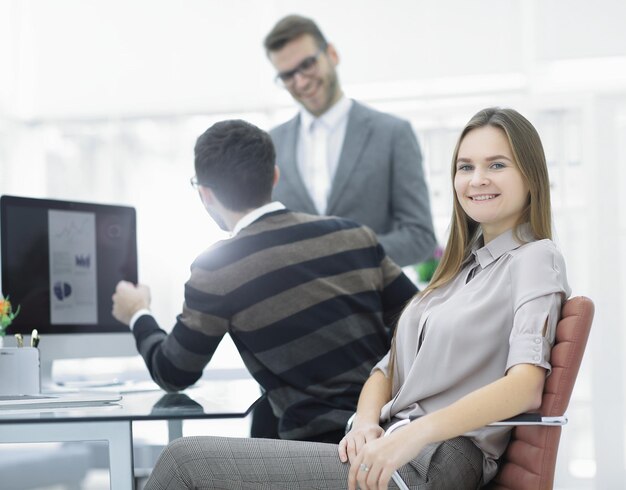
[{"x": 502, "y": 244}]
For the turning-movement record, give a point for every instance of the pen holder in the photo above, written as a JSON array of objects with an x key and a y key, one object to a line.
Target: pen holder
[{"x": 19, "y": 371}]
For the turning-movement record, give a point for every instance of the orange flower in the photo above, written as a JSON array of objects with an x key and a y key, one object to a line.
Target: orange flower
[
  {"x": 7, "y": 315},
  {"x": 5, "y": 307}
]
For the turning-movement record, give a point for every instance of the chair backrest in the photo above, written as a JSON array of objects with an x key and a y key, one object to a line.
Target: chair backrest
[{"x": 530, "y": 458}]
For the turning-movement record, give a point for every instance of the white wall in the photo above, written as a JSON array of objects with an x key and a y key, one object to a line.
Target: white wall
[{"x": 90, "y": 58}]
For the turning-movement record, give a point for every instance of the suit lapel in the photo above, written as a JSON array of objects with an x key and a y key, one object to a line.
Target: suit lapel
[
  {"x": 357, "y": 133},
  {"x": 287, "y": 161}
]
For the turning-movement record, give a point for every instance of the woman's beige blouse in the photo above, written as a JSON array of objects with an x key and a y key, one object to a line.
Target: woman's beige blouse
[{"x": 499, "y": 311}]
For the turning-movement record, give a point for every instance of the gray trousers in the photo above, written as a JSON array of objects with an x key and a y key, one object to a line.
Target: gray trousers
[{"x": 253, "y": 464}]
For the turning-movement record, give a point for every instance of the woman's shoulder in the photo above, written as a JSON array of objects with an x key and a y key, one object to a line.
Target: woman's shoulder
[
  {"x": 538, "y": 267},
  {"x": 538, "y": 252}
]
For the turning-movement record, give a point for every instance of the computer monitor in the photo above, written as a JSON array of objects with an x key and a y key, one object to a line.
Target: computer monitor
[{"x": 60, "y": 263}]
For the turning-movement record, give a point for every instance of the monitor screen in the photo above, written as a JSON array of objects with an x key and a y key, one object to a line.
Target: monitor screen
[{"x": 61, "y": 261}]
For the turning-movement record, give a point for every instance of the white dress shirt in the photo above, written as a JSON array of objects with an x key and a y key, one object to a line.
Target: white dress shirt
[
  {"x": 254, "y": 215},
  {"x": 333, "y": 123}
]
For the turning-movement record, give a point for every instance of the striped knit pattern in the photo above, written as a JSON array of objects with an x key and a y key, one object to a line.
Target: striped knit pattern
[{"x": 308, "y": 301}]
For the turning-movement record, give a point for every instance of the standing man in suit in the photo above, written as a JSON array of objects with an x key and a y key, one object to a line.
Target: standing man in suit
[{"x": 339, "y": 157}]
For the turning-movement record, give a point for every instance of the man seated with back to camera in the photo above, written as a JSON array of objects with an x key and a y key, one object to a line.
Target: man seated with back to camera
[{"x": 309, "y": 301}]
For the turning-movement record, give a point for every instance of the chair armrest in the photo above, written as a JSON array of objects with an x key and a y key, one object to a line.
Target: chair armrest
[
  {"x": 532, "y": 419},
  {"x": 522, "y": 419}
]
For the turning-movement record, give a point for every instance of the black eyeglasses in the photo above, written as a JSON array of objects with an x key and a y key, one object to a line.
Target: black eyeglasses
[{"x": 306, "y": 67}]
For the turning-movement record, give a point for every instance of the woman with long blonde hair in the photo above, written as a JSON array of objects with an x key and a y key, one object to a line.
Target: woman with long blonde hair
[{"x": 474, "y": 346}]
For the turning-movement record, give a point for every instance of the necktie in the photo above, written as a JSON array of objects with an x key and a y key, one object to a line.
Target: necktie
[{"x": 319, "y": 175}]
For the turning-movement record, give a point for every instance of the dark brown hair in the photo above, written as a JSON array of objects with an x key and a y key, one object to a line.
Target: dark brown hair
[{"x": 235, "y": 159}]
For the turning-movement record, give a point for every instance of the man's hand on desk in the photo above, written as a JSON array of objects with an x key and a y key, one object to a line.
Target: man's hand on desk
[{"x": 128, "y": 299}]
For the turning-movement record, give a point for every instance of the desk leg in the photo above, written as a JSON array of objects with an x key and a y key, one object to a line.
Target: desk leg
[
  {"x": 117, "y": 433},
  {"x": 121, "y": 455}
]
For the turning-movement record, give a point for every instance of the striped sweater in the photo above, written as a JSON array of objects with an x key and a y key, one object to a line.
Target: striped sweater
[{"x": 308, "y": 301}]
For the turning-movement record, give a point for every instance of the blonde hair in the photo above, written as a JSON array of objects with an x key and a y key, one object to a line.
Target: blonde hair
[{"x": 531, "y": 161}]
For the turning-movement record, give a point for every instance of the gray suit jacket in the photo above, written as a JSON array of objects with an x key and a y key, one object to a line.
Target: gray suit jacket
[{"x": 379, "y": 182}]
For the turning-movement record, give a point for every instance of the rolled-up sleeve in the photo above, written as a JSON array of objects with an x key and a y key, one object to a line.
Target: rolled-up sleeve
[
  {"x": 532, "y": 336},
  {"x": 539, "y": 287}
]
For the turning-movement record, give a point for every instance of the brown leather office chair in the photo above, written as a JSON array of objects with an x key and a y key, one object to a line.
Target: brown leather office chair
[{"x": 530, "y": 458}]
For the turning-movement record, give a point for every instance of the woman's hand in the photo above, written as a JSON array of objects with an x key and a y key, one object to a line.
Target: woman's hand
[
  {"x": 373, "y": 466},
  {"x": 359, "y": 435}
]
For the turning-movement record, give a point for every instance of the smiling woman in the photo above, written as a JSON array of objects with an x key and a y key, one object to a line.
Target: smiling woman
[
  {"x": 488, "y": 181},
  {"x": 507, "y": 144}
]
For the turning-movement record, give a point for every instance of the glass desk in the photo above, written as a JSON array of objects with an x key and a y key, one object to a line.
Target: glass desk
[{"x": 112, "y": 422}]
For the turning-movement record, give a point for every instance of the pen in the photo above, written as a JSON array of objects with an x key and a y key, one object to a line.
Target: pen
[
  {"x": 19, "y": 339},
  {"x": 34, "y": 338}
]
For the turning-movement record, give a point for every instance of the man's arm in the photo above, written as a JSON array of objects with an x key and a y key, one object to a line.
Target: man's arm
[
  {"x": 412, "y": 238},
  {"x": 175, "y": 361}
]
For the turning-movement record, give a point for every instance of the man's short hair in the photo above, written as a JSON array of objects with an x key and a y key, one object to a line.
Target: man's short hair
[
  {"x": 292, "y": 27},
  {"x": 235, "y": 159}
]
